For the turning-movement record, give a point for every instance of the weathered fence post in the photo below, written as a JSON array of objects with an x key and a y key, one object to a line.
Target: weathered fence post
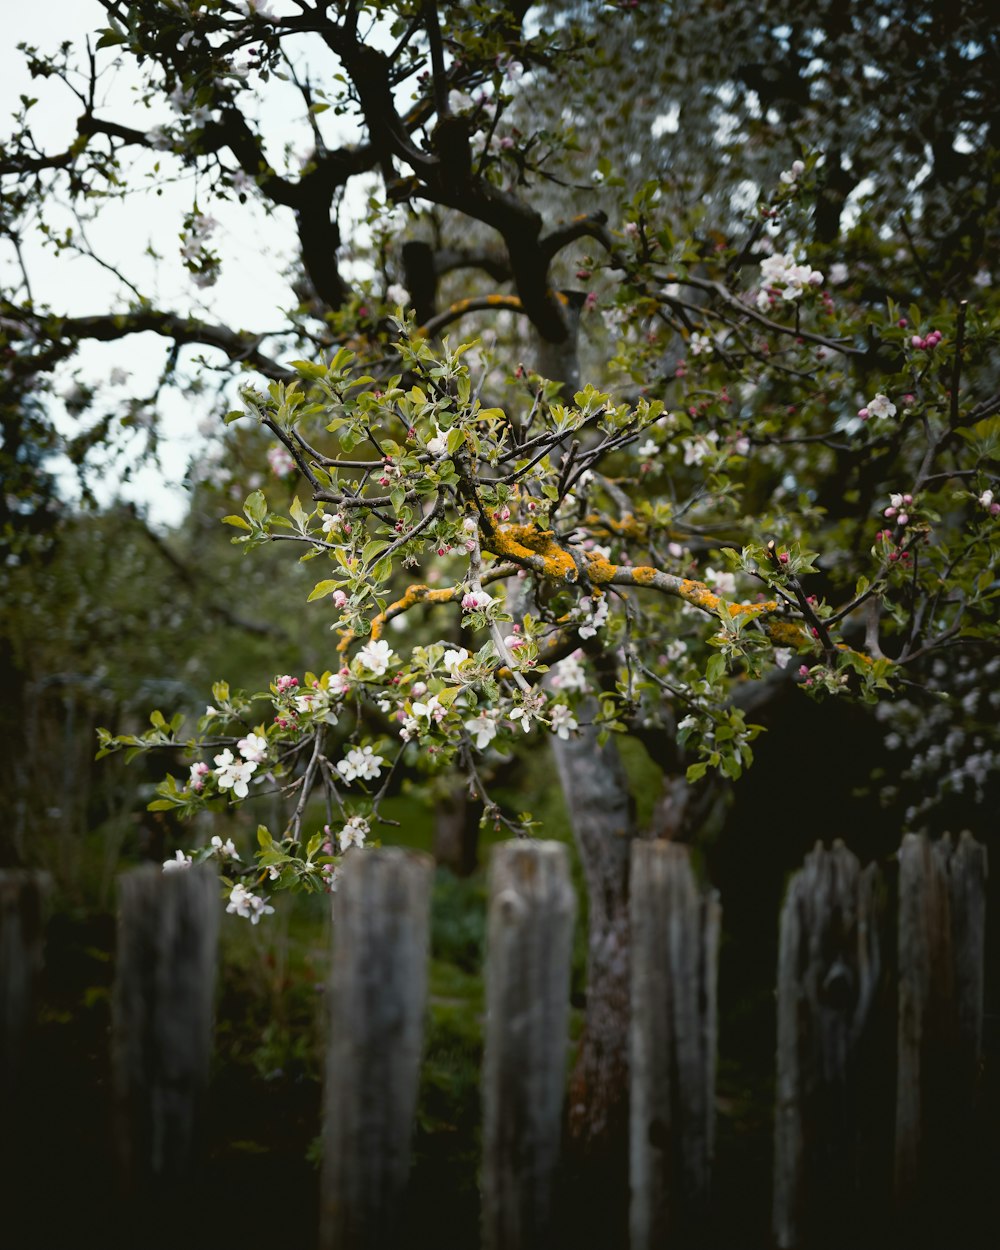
[
  {"x": 675, "y": 941},
  {"x": 940, "y": 1020},
  {"x": 21, "y": 938},
  {"x": 830, "y": 1077},
  {"x": 530, "y": 936},
  {"x": 378, "y": 994},
  {"x": 161, "y": 1032}
]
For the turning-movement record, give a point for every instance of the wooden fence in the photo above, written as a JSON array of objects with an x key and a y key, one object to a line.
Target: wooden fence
[{"x": 879, "y": 1049}]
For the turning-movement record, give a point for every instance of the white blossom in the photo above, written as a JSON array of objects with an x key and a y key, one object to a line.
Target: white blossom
[
  {"x": 986, "y": 499},
  {"x": 375, "y": 656},
  {"x": 224, "y": 850},
  {"x": 881, "y": 406},
  {"x": 354, "y": 832},
  {"x": 178, "y": 863},
  {"x": 250, "y": 906},
  {"x": 563, "y": 720},
  {"x": 452, "y": 659},
  {"x": 724, "y": 583},
  {"x": 398, "y": 295},
  {"x": 598, "y": 614},
  {"x": 569, "y": 674},
  {"x": 234, "y": 774},
  {"x": 438, "y": 445},
  {"x": 484, "y": 729},
  {"x": 476, "y": 601},
  {"x": 360, "y": 762},
  {"x": 253, "y": 747}
]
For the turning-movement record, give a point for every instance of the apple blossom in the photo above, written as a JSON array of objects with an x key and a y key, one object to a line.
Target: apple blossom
[
  {"x": 234, "y": 774},
  {"x": 250, "y": 906},
  {"x": 880, "y": 406},
  {"x": 253, "y": 747},
  {"x": 476, "y": 601},
  {"x": 354, "y": 833},
  {"x": 178, "y": 863},
  {"x": 360, "y": 762},
  {"x": 484, "y": 729},
  {"x": 375, "y": 656}
]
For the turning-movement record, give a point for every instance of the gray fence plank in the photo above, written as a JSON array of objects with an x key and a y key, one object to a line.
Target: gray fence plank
[
  {"x": 378, "y": 994},
  {"x": 940, "y": 1006},
  {"x": 530, "y": 935},
  {"x": 22, "y": 896},
  {"x": 162, "y": 1011},
  {"x": 675, "y": 937},
  {"x": 829, "y": 974}
]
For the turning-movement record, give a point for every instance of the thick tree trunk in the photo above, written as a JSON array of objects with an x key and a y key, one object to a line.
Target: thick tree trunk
[
  {"x": 596, "y": 788},
  {"x": 456, "y": 832}
]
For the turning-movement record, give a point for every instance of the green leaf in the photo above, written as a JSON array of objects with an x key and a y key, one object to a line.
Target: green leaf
[
  {"x": 264, "y": 839},
  {"x": 326, "y": 587},
  {"x": 256, "y": 506},
  {"x": 696, "y": 771},
  {"x": 237, "y": 521}
]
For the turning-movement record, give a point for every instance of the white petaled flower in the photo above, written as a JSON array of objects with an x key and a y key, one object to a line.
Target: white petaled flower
[
  {"x": 398, "y": 295},
  {"x": 178, "y": 863},
  {"x": 986, "y": 499},
  {"x": 199, "y": 772},
  {"x": 563, "y": 721},
  {"x": 410, "y": 728},
  {"x": 569, "y": 674},
  {"x": 839, "y": 273},
  {"x": 224, "y": 850},
  {"x": 339, "y": 684},
  {"x": 597, "y": 612},
  {"x": 253, "y": 747},
  {"x": 452, "y": 659},
  {"x": 483, "y": 728},
  {"x": 724, "y": 583},
  {"x": 790, "y": 176},
  {"x": 782, "y": 656},
  {"x": 353, "y": 833},
  {"x": 649, "y": 448},
  {"x": 881, "y": 406},
  {"x": 234, "y": 774},
  {"x": 250, "y": 906},
  {"x": 360, "y": 762},
  {"x": 521, "y": 716},
  {"x": 332, "y": 521},
  {"x": 431, "y": 710},
  {"x": 700, "y": 345},
  {"x": 476, "y": 601},
  {"x": 438, "y": 445},
  {"x": 675, "y": 650},
  {"x": 689, "y": 722},
  {"x": 375, "y": 656}
]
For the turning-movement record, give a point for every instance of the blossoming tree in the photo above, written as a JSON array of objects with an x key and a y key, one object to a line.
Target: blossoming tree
[{"x": 691, "y": 467}]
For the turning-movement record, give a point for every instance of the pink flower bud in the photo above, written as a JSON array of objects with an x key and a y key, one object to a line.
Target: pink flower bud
[
  {"x": 890, "y": 513},
  {"x": 907, "y": 499},
  {"x": 904, "y": 519},
  {"x": 917, "y": 342},
  {"x": 803, "y": 670},
  {"x": 863, "y": 414}
]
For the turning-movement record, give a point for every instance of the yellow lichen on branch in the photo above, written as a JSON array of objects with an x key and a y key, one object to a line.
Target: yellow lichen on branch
[
  {"x": 536, "y": 548},
  {"x": 412, "y": 595}
]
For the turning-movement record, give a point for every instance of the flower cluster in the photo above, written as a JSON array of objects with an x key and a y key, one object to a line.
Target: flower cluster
[
  {"x": 250, "y": 906},
  {"x": 782, "y": 276}
]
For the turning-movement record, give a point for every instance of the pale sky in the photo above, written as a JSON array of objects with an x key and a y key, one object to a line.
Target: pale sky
[{"x": 255, "y": 249}]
